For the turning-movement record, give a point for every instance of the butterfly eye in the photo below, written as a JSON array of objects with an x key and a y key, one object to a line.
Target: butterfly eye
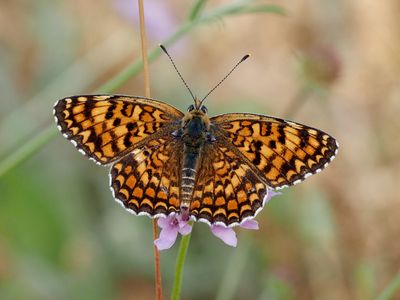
[
  {"x": 191, "y": 107},
  {"x": 204, "y": 109}
]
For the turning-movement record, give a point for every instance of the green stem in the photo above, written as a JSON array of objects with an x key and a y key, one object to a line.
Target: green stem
[
  {"x": 298, "y": 101},
  {"x": 196, "y": 10},
  {"x": 391, "y": 289},
  {"x": 180, "y": 261},
  {"x": 27, "y": 150}
]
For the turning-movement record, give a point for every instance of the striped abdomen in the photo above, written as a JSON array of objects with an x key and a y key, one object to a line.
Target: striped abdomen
[
  {"x": 194, "y": 134},
  {"x": 188, "y": 175}
]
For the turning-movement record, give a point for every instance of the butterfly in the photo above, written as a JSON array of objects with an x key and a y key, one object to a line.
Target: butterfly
[{"x": 216, "y": 170}]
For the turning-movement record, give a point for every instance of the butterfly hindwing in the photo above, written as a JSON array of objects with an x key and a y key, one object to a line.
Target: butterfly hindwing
[
  {"x": 227, "y": 191},
  {"x": 107, "y": 127},
  {"x": 146, "y": 181},
  {"x": 283, "y": 152}
]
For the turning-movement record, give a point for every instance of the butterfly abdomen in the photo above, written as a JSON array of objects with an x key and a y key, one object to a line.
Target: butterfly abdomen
[
  {"x": 194, "y": 137},
  {"x": 187, "y": 185},
  {"x": 191, "y": 157}
]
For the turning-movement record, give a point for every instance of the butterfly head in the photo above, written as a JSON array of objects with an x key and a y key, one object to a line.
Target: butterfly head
[
  {"x": 197, "y": 108},
  {"x": 196, "y": 123}
]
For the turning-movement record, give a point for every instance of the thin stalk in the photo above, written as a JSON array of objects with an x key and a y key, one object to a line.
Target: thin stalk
[
  {"x": 143, "y": 40},
  {"x": 157, "y": 268},
  {"x": 180, "y": 262},
  {"x": 298, "y": 101},
  {"x": 391, "y": 289},
  {"x": 196, "y": 10}
]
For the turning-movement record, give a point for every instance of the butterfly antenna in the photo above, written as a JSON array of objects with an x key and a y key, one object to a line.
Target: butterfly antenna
[
  {"x": 226, "y": 76},
  {"x": 177, "y": 71}
]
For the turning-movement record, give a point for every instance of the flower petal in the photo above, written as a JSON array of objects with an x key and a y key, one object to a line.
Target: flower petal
[
  {"x": 250, "y": 224},
  {"x": 183, "y": 226},
  {"x": 269, "y": 195},
  {"x": 186, "y": 229},
  {"x": 226, "y": 234},
  {"x": 164, "y": 222},
  {"x": 167, "y": 238}
]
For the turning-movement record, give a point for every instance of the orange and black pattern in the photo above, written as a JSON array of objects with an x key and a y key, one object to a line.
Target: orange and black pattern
[
  {"x": 282, "y": 153},
  {"x": 240, "y": 157},
  {"x": 146, "y": 180},
  {"x": 106, "y": 128},
  {"x": 227, "y": 190}
]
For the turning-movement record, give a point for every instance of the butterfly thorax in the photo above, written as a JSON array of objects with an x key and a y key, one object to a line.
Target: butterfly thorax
[{"x": 194, "y": 133}]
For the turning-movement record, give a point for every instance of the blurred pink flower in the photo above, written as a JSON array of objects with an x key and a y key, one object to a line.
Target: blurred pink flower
[
  {"x": 321, "y": 64},
  {"x": 159, "y": 18}
]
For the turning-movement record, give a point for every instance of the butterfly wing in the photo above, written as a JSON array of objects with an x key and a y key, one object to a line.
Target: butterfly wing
[
  {"x": 146, "y": 181},
  {"x": 106, "y": 127},
  {"x": 281, "y": 153},
  {"x": 227, "y": 190}
]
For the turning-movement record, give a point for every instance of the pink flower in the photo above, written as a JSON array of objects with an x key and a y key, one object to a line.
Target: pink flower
[
  {"x": 170, "y": 226},
  {"x": 228, "y": 235},
  {"x": 178, "y": 223}
]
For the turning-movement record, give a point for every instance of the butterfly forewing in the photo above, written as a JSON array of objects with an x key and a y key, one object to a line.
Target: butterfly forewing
[
  {"x": 146, "y": 181},
  {"x": 227, "y": 191},
  {"x": 281, "y": 152},
  {"x": 105, "y": 128}
]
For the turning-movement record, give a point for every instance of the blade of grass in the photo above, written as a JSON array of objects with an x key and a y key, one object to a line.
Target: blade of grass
[
  {"x": 263, "y": 9},
  {"x": 197, "y": 9},
  {"x": 27, "y": 150},
  {"x": 28, "y": 118},
  {"x": 391, "y": 289},
  {"x": 239, "y": 7}
]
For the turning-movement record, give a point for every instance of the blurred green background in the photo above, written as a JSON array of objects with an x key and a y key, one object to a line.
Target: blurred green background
[{"x": 334, "y": 65}]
